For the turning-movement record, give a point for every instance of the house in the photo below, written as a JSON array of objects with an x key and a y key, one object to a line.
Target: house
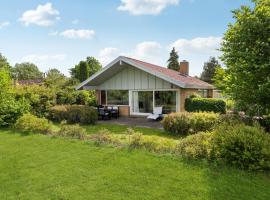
[{"x": 137, "y": 87}]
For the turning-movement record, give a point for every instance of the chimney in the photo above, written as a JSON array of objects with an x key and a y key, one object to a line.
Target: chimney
[{"x": 184, "y": 68}]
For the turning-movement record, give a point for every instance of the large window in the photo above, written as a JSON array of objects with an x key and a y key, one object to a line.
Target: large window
[
  {"x": 166, "y": 99},
  {"x": 117, "y": 97},
  {"x": 143, "y": 101},
  {"x": 203, "y": 93}
]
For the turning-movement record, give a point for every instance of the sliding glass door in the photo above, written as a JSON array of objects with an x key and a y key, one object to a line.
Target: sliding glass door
[{"x": 142, "y": 101}]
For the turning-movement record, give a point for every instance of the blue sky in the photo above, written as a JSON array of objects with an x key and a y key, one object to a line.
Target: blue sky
[{"x": 58, "y": 34}]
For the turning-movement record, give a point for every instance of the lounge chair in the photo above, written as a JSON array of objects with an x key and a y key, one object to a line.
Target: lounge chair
[{"x": 157, "y": 114}]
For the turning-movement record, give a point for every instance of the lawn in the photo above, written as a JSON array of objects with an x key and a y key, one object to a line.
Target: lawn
[{"x": 42, "y": 167}]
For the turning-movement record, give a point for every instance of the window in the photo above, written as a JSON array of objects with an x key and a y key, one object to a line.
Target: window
[
  {"x": 117, "y": 97},
  {"x": 103, "y": 97},
  {"x": 166, "y": 99},
  {"x": 203, "y": 93}
]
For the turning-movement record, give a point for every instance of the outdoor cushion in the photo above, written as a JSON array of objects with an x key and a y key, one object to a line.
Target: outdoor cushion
[{"x": 156, "y": 114}]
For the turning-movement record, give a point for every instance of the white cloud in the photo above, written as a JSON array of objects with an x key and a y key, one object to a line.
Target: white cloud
[
  {"x": 78, "y": 34},
  {"x": 146, "y": 7},
  {"x": 43, "y": 15},
  {"x": 35, "y": 58},
  {"x": 147, "y": 49},
  {"x": 108, "y": 54},
  {"x": 4, "y": 24},
  {"x": 199, "y": 45}
]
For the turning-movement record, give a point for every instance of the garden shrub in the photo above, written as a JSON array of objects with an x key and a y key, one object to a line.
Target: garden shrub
[
  {"x": 81, "y": 114},
  {"x": 177, "y": 123},
  {"x": 137, "y": 140},
  {"x": 33, "y": 124},
  {"x": 58, "y": 113},
  {"x": 104, "y": 136},
  {"x": 72, "y": 131},
  {"x": 73, "y": 114},
  {"x": 183, "y": 123},
  {"x": 203, "y": 121},
  {"x": 40, "y": 97},
  {"x": 88, "y": 115},
  {"x": 11, "y": 109},
  {"x": 195, "y": 146},
  {"x": 205, "y": 105},
  {"x": 243, "y": 146}
]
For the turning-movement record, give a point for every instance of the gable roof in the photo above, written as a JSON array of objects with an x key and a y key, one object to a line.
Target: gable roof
[{"x": 169, "y": 75}]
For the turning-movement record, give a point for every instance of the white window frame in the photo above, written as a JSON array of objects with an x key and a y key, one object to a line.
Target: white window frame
[{"x": 153, "y": 90}]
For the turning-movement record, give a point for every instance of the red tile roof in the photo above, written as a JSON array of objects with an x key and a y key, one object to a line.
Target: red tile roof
[
  {"x": 30, "y": 82},
  {"x": 187, "y": 80}
]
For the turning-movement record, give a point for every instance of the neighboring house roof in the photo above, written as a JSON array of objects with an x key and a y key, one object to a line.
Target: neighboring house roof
[
  {"x": 29, "y": 82},
  {"x": 169, "y": 75}
]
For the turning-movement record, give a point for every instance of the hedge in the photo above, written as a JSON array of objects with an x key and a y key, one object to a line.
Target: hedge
[{"x": 205, "y": 105}]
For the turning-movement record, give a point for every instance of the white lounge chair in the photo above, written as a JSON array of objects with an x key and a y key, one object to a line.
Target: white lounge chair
[{"x": 157, "y": 113}]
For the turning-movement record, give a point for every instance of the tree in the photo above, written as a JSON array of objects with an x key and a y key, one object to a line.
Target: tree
[
  {"x": 85, "y": 69},
  {"x": 27, "y": 71},
  {"x": 54, "y": 78},
  {"x": 246, "y": 54},
  {"x": 173, "y": 60},
  {"x": 4, "y": 63},
  {"x": 94, "y": 65},
  {"x": 209, "y": 69}
]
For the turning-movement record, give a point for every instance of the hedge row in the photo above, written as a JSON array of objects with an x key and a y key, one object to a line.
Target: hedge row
[
  {"x": 73, "y": 114},
  {"x": 205, "y": 105}
]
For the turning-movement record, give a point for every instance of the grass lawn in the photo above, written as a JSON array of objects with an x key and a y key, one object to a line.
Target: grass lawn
[{"x": 41, "y": 167}]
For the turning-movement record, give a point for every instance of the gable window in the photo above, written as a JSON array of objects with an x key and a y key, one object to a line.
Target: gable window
[{"x": 117, "y": 97}]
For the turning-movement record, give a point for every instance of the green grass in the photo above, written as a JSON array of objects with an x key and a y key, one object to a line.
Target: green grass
[{"x": 41, "y": 167}]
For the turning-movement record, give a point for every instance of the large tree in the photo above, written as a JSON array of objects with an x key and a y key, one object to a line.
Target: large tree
[
  {"x": 173, "y": 60},
  {"x": 246, "y": 55},
  {"x": 209, "y": 69},
  {"x": 85, "y": 69},
  {"x": 54, "y": 78},
  {"x": 27, "y": 71},
  {"x": 94, "y": 65},
  {"x": 4, "y": 63}
]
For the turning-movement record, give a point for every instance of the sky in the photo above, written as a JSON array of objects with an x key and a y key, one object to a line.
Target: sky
[{"x": 60, "y": 33}]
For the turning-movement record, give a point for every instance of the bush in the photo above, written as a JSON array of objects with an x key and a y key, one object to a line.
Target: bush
[
  {"x": 73, "y": 114},
  {"x": 81, "y": 114},
  {"x": 72, "y": 131},
  {"x": 33, "y": 124},
  {"x": 11, "y": 110},
  {"x": 104, "y": 136},
  {"x": 58, "y": 113},
  {"x": 195, "y": 146},
  {"x": 183, "y": 123},
  {"x": 243, "y": 146},
  {"x": 40, "y": 98},
  {"x": 205, "y": 105},
  {"x": 151, "y": 143}
]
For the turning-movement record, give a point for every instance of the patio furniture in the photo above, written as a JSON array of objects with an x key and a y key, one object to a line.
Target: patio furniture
[
  {"x": 104, "y": 114},
  {"x": 114, "y": 112},
  {"x": 157, "y": 114}
]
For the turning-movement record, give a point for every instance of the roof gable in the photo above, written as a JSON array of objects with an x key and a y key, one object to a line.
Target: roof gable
[{"x": 169, "y": 75}]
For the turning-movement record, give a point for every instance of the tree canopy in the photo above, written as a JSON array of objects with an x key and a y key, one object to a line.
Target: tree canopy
[
  {"x": 85, "y": 69},
  {"x": 173, "y": 60},
  {"x": 4, "y": 63},
  {"x": 27, "y": 71},
  {"x": 246, "y": 55},
  {"x": 209, "y": 69},
  {"x": 54, "y": 78}
]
